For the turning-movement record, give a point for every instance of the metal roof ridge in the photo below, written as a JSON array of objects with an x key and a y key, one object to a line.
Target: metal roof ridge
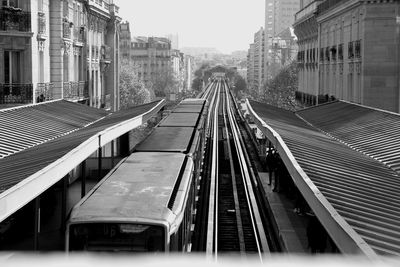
[
  {"x": 31, "y": 105},
  {"x": 347, "y": 144},
  {"x": 371, "y": 108},
  {"x": 317, "y": 106},
  {"x": 56, "y": 137},
  {"x": 344, "y": 232}
]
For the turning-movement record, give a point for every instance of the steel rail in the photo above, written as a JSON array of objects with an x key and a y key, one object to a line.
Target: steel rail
[
  {"x": 212, "y": 227},
  {"x": 258, "y": 229},
  {"x": 234, "y": 185}
]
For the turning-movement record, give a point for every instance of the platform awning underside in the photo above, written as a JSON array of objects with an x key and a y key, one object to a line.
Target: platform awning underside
[
  {"x": 43, "y": 134},
  {"x": 351, "y": 154}
]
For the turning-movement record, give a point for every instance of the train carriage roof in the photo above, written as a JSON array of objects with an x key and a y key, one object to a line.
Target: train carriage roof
[
  {"x": 181, "y": 120},
  {"x": 193, "y": 101},
  {"x": 167, "y": 139},
  {"x": 138, "y": 189},
  {"x": 188, "y": 109}
]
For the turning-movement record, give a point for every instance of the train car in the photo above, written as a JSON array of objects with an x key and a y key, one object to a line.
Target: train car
[
  {"x": 146, "y": 202},
  {"x": 143, "y": 205},
  {"x": 180, "y": 134}
]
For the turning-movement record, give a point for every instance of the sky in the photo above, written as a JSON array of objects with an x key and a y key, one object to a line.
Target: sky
[{"x": 227, "y": 25}]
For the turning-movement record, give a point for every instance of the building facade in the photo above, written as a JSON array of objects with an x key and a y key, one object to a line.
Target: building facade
[
  {"x": 45, "y": 51},
  {"x": 250, "y": 68},
  {"x": 103, "y": 54},
  {"x": 152, "y": 56},
  {"x": 353, "y": 53},
  {"x": 125, "y": 41},
  {"x": 259, "y": 47},
  {"x": 190, "y": 66},
  {"x": 279, "y": 15},
  {"x": 283, "y": 50}
]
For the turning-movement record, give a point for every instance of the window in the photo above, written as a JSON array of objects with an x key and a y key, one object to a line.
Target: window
[
  {"x": 340, "y": 52},
  {"x": 321, "y": 54},
  {"x": 350, "y": 51},
  {"x": 12, "y": 67},
  {"x": 334, "y": 52},
  {"x": 327, "y": 55},
  {"x": 358, "y": 49}
]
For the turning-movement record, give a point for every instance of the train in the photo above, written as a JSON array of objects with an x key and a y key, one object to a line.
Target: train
[{"x": 146, "y": 203}]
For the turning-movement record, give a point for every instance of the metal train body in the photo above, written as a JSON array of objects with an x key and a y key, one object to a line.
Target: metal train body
[{"x": 146, "y": 202}]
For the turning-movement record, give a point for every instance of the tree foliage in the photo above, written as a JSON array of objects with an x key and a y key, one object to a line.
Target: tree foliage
[
  {"x": 280, "y": 91},
  {"x": 240, "y": 84},
  {"x": 163, "y": 83},
  {"x": 133, "y": 92}
]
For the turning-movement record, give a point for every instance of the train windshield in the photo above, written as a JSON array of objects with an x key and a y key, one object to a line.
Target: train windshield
[{"x": 116, "y": 237}]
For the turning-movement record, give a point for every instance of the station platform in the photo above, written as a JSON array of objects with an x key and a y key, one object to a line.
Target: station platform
[{"x": 290, "y": 226}]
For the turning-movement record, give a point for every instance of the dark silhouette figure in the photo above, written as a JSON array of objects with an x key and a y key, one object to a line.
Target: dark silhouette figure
[{"x": 316, "y": 235}]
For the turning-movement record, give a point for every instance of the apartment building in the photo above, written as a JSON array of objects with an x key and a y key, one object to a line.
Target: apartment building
[
  {"x": 349, "y": 49},
  {"x": 279, "y": 15},
  {"x": 125, "y": 41},
  {"x": 259, "y": 47},
  {"x": 46, "y": 51},
  {"x": 152, "y": 56},
  {"x": 250, "y": 67}
]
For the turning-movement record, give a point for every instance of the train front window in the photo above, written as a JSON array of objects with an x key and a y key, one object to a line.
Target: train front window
[{"x": 123, "y": 237}]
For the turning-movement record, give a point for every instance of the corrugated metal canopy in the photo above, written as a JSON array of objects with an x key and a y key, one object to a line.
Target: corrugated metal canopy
[
  {"x": 364, "y": 191},
  {"x": 29, "y": 126},
  {"x": 368, "y": 130},
  {"x": 19, "y": 166}
]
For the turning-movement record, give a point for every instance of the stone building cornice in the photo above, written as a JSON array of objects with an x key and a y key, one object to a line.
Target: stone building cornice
[{"x": 340, "y": 8}]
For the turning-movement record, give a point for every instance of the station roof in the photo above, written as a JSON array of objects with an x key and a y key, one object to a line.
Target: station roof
[
  {"x": 26, "y": 173},
  {"x": 167, "y": 139},
  {"x": 355, "y": 195}
]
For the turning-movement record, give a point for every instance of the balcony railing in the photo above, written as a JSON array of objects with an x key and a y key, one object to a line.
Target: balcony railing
[
  {"x": 16, "y": 93},
  {"x": 15, "y": 20},
  {"x": 44, "y": 92},
  {"x": 41, "y": 23},
  {"x": 75, "y": 90}
]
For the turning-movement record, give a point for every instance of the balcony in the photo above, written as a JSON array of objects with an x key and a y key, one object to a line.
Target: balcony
[
  {"x": 75, "y": 90},
  {"x": 14, "y": 19},
  {"x": 16, "y": 93},
  {"x": 44, "y": 92}
]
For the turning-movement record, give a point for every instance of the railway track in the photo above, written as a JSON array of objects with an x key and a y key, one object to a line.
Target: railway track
[{"x": 234, "y": 223}]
